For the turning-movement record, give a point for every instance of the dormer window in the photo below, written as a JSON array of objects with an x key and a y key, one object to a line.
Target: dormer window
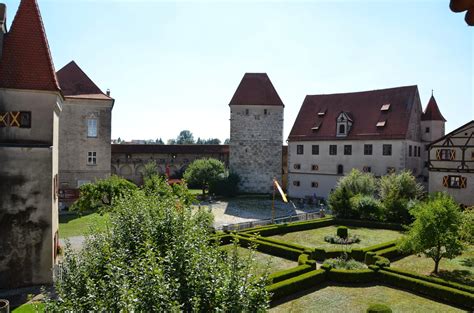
[
  {"x": 385, "y": 107},
  {"x": 344, "y": 124}
]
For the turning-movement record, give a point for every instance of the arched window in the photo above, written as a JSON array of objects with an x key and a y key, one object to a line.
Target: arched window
[{"x": 340, "y": 169}]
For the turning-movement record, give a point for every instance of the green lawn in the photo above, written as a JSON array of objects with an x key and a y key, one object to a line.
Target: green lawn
[
  {"x": 79, "y": 225},
  {"x": 29, "y": 308},
  {"x": 315, "y": 237},
  {"x": 459, "y": 269},
  {"x": 358, "y": 299},
  {"x": 263, "y": 261}
]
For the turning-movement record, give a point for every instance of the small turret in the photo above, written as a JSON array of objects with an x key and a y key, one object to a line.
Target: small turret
[{"x": 432, "y": 122}]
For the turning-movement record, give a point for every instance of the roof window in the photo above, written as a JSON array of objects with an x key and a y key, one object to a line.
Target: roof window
[
  {"x": 322, "y": 112},
  {"x": 381, "y": 123},
  {"x": 385, "y": 107}
]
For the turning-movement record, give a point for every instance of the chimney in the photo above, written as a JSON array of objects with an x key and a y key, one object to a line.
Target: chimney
[
  {"x": 108, "y": 92},
  {"x": 3, "y": 25}
]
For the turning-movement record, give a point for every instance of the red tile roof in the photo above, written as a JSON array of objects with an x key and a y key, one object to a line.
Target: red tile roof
[
  {"x": 256, "y": 89},
  {"x": 365, "y": 110},
  {"x": 26, "y": 61},
  {"x": 76, "y": 84},
  {"x": 464, "y": 5},
  {"x": 432, "y": 112}
]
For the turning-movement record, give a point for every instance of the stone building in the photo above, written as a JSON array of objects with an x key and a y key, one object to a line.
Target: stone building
[
  {"x": 451, "y": 164},
  {"x": 84, "y": 131},
  {"x": 128, "y": 160},
  {"x": 377, "y": 131},
  {"x": 256, "y": 133},
  {"x": 30, "y": 105}
]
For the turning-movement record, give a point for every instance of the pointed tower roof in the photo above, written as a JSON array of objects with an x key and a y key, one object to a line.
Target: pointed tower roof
[
  {"x": 256, "y": 89},
  {"x": 26, "y": 61},
  {"x": 76, "y": 84},
  {"x": 432, "y": 112}
]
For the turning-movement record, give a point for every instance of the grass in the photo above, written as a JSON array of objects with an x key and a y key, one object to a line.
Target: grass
[
  {"x": 79, "y": 225},
  {"x": 263, "y": 261},
  {"x": 358, "y": 299},
  {"x": 315, "y": 237},
  {"x": 29, "y": 308},
  {"x": 459, "y": 269}
]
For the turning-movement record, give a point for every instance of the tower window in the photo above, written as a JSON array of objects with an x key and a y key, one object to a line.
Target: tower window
[
  {"x": 427, "y": 130},
  {"x": 340, "y": 169},
  {"x": 314, "y": 184},
  {"x": 299, "y": 149}
]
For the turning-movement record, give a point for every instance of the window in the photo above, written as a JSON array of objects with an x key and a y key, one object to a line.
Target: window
[
  {"x": 91, "y": 158},
  {"x": 387, "y": 149},
  {"x": 340, "y": 169},
  {"x": 91, "y": 127},
  {"x": 367, "y": 169},
  {"x": 427, "y": 130},
  {"x": 385, "y": 107},
  {"x": 25, "y": 119},
  {"x": 347, "y": 149},
  {"x": 314, "y": 167},
  {"x": 454, "y": 182},
  {"x": 297, "y": 166},
  {"x": 296, "y": 183},
  {"x": 332, "y": 149},
  {"x": 246, "y": 111},
  {"x": 15, "y": 119},
  {"x": 314, "y": 184},
  {"x": 446, "y": 154},
  {"x": 409, "y": 150},
  {"x": 425, "y": 164},
  {"x": 342, "y": 129},
  {"x": 299, "y": 149},
  {"x": 367, "y": 149},
  {"x": 315, "y": 149},
  {"x": 265, "y": 112},
  {"x": 419, "y": 151}
]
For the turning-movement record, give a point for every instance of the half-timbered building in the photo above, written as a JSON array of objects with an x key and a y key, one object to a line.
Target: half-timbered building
[{"x": 451, "y": 164}]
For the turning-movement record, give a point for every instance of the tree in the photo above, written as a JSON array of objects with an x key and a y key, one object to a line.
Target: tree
[
  {"x": 467, "y": 227},
  {"x": 171, "y": 142},
  {"x": 396, "y": 191},
  {"x": 202, "y": 172},
  {"x": 157, "y": 255},
  {"x": 227, "y": 141},
  {"x": 185, "y": 137},
  {"x": 103, "y": 194},
  {"x": 212, "y": 141},
  {"x": 150, "y": 169},
  {"x": 159, "y": 141},
  {"x": 435, "y": 231}
]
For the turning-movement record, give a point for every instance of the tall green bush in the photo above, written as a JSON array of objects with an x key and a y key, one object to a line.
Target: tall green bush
[
  {"x": 227, "y": 186},
  {"x": 156, "y": 256},
  {"x": 203, "y": 172}
]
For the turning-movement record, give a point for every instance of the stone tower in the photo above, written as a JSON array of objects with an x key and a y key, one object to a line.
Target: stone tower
[{"x": 256, "y": 133}]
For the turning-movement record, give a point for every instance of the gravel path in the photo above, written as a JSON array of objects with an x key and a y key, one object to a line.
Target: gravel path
[{"x": 76, "y": 242}]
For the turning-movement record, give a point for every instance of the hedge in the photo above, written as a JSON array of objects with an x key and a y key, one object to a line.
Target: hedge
[
  {"x": 450, "y": 295},
  {"x": 269, "y": 248},
  {"x": 390, "y": 253},
  {"x": 368, "y": 224},
  {"x": 279, "y": 242},
  {"x": 434, "y": 280},
  {"x": 352, "y": 276},
  {"x": 378, "y": 308},
  {"x": 291, "y": 227},
  {"x": 293, "y": 285},
  {"x": 290, "y": 273}
]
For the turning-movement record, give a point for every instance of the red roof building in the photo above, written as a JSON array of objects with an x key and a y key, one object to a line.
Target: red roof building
[
  {"x": 26, "y": 61},
  {"x": 256, "y": 89},
  {"x": 432, "y": 112}
]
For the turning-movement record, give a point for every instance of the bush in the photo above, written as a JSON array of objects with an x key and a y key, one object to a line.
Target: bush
[
  {"x": 204, "y": 172},
  {"x": 370, "y": 258},
  {"x": 290, "y": 273},
  {"x": 382, "y": 262},
  {"x": 379, "y": 308},
  {"x": 296, "y": 284},
  {"x": 277, "y": 229},
  {"x": 342, "y": 241},
  {"x": 341, "y": 263},
  {"x": 227, "y": 186},
  {"x": 367, "y": 207},
  {"x": 342, "y": 232},
  {"x": 360, "y": 276},
  {"x": 269, "y": 248}
]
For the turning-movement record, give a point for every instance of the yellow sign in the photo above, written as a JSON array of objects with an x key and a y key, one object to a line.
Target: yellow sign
[{"x": 281, "y": 191}]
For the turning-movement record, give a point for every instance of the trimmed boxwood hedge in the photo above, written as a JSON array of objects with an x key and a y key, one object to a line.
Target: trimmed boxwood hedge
[
  {"x": 367, "y": 224},
  {"x": 277, "y": 229},
  {"x": 293, "y": 285},
  {"x": 434, "y": 280},
  {"x": 352, "y": 276},
  {"x": 290, "y": 273},
  {"x": 378, "y": 308},
  {"x": 450, "y": 295},
  {"x": 280, "y": 242},
  {"x": 269, "y": 248}
]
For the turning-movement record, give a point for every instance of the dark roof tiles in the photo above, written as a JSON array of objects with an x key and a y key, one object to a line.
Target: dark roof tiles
[
  {"x": 432, "y": 112},
  {"x": 26, "y": 61},
  {"x": 364, "y": 108},
  {"x": 256, "y": 89}
]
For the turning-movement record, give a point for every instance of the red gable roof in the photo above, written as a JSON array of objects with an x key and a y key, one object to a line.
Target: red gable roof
[
  {"x": 432, "y": 112},
  {"x": 256, "y": 89},
  {"x": 76, "y": 84},
  {"x": 26, "y": 61},
  {"x": 318, "y": 114}
]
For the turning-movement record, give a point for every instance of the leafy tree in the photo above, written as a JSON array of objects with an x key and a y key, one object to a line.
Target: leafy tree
[
  {"x": 157, "y": 255},
  {"x": 103, "y": 193},
  {"x": 150, "y": 169},
  {"x": 226, "y": 185},
  {"x": 435, "y": 231},
  {"x": 396, "y": 191},
  {"x": 467, "y": 226},
  {"x": 185, "y": 137},
  {"x": 159, "y": 141},
  {"x": 367, "y": 207},
  {"x": 227, "y": 141},
  {"x": 171, "y": 142},
  {"x": 199, "y": 141},
  {"x": 353, "y": 184},
  {"x": 212, "y": 141},
  {"x": 202, "y": 172}
]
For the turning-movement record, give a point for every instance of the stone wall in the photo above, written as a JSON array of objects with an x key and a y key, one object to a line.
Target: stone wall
[{"x": 256, "y": 135}]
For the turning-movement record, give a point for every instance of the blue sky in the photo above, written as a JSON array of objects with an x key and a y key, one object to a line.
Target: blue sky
[{"x": 175, "y": 65}]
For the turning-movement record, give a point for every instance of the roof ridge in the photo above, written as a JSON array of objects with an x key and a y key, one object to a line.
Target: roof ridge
[
  {"x": 75, "y": 82},
  {"x": 364, "y": 91}
]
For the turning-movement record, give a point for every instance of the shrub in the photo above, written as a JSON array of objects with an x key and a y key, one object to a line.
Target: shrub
[
  {"x": 382, "y": 262},
  {"x": 342, "y": 241},
  {"x": 203, "y": 172},
  {"x": 352, "y": 276},
  {"x": 379, "y": 308},
  {"x": 370, "y": 258},
  {"x": 227, "y": 186},
  {"x": 342, "y": 232},
  {"x": 293, "y": 285},
  {"x": 368, "y": 207},
  {"x": 341, "y": 263},
  {"x": 290, "y": 273}
]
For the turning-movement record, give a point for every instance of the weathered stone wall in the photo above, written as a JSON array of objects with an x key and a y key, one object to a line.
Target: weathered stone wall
[
  {"x": 27, "y": 211},
  {"x": 256, "y": 146},
  {"x": 74, "y": 144}
]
